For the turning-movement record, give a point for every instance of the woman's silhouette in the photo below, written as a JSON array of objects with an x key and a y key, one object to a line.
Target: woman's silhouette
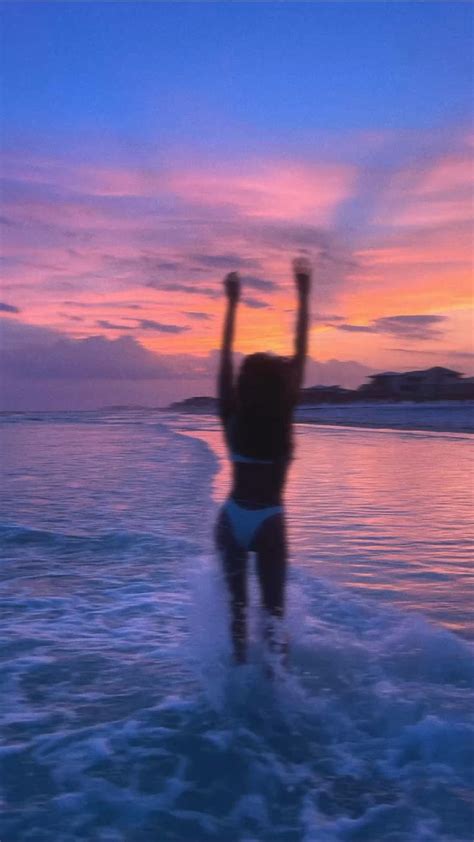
[{"x": 256, "y": 415}]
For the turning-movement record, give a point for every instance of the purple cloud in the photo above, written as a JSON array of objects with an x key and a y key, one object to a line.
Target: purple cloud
[
  {"x": 124, "y": 305},
  {"x": 150, "y": 324},
  {"x": 197, "y": 314},
  {"x": 96, "y": 358},
  {"x": 71, "y": 318},
  {"x": 445, "y": 354},
  {"x": 41, "y": 368},
  {"x": 8, "y": 308},
  {"x": 410, "y": 327},
  {"x": 16, "y": 334},
  {"x": 255, "y": 303},
  {"x": 106, "y": 325},
  {"x": 327, "y": 320},
  {"x": 258, "y": 283},
  {"x": 347, "y": 373},
  {"x": 356, "y": 328},
  {"x": 144, "y": 264},
  {"x": 144, "y": 324},
  {"x": 209, "y": 292},
  {"x": 419, "y": 327},
  {"x": 230, "y": 262}
]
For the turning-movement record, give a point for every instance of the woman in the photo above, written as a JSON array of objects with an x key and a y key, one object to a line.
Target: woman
[{"x": 256, "y": 415}]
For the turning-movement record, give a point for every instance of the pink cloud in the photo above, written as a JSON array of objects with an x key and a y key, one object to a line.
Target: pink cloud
[
  {"x": 275, "y": 190},
  {"x": 438, "y": 193},
  {"x": 163, "y": 236},
  {"x": 449, "y": 173},
  {"x": 450, "y": 243},
  {"x": 86, "y": 179},
  {"x": 278, "y": 190},
  {"x": 65, "y": 234}
]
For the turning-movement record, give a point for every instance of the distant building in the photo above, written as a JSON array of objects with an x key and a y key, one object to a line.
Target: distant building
[
  {"x": 433, "y": 384},
  {"x": 464, "y": 389}
]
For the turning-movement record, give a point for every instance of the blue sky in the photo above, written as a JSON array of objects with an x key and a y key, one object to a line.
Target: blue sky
[{"x": 284, "y": 70}]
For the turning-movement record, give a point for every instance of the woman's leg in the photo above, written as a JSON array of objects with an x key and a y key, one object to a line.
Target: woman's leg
[
  {"x": 234, "y": 562},
  {"x": 271, "y": 548}
]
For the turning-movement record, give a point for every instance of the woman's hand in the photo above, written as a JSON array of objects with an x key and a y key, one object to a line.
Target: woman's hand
[
  {"x": 302, "y": 275},
  {"x": 232, "y": 287}
]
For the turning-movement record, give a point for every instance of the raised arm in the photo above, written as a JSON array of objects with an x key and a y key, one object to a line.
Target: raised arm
[
  {"x": 225, "y": 386},
  {"x": 302, "y": 276}
]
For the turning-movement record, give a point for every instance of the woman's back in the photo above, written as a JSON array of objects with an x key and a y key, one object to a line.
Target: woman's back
[{"x": 259, "y": 429}]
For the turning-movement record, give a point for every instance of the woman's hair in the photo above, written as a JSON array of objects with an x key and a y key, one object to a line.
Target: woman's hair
[{"x": 264, "y": 407}]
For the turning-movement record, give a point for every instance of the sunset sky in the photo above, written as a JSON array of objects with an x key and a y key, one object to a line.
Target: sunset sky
[{"x": 149, "y": 148}]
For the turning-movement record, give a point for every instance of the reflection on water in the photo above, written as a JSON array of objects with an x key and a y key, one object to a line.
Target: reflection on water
[
  {"x": 384, "y": 512},
  {"x": 120, "y": 719}
]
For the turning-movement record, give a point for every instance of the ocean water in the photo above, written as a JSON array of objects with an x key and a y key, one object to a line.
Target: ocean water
[{"x": 122, "y": 719}]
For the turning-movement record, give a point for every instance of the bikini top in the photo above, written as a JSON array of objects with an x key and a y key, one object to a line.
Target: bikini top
[{"x": 238, "y": 457}]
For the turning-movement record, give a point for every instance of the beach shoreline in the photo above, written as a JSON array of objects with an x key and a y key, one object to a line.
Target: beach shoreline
[
  {"x": 391, "y": 428},
  {"x": 436, "y": 417}
]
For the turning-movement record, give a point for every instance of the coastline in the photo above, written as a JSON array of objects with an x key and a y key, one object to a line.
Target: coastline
[{"x": 436, "y": 417}]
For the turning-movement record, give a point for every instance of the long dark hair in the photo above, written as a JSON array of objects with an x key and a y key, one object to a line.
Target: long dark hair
[{"x": 264, "y": 407}]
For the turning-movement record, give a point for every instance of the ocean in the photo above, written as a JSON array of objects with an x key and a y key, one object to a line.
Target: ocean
[{"x": 122, "y": 718}]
